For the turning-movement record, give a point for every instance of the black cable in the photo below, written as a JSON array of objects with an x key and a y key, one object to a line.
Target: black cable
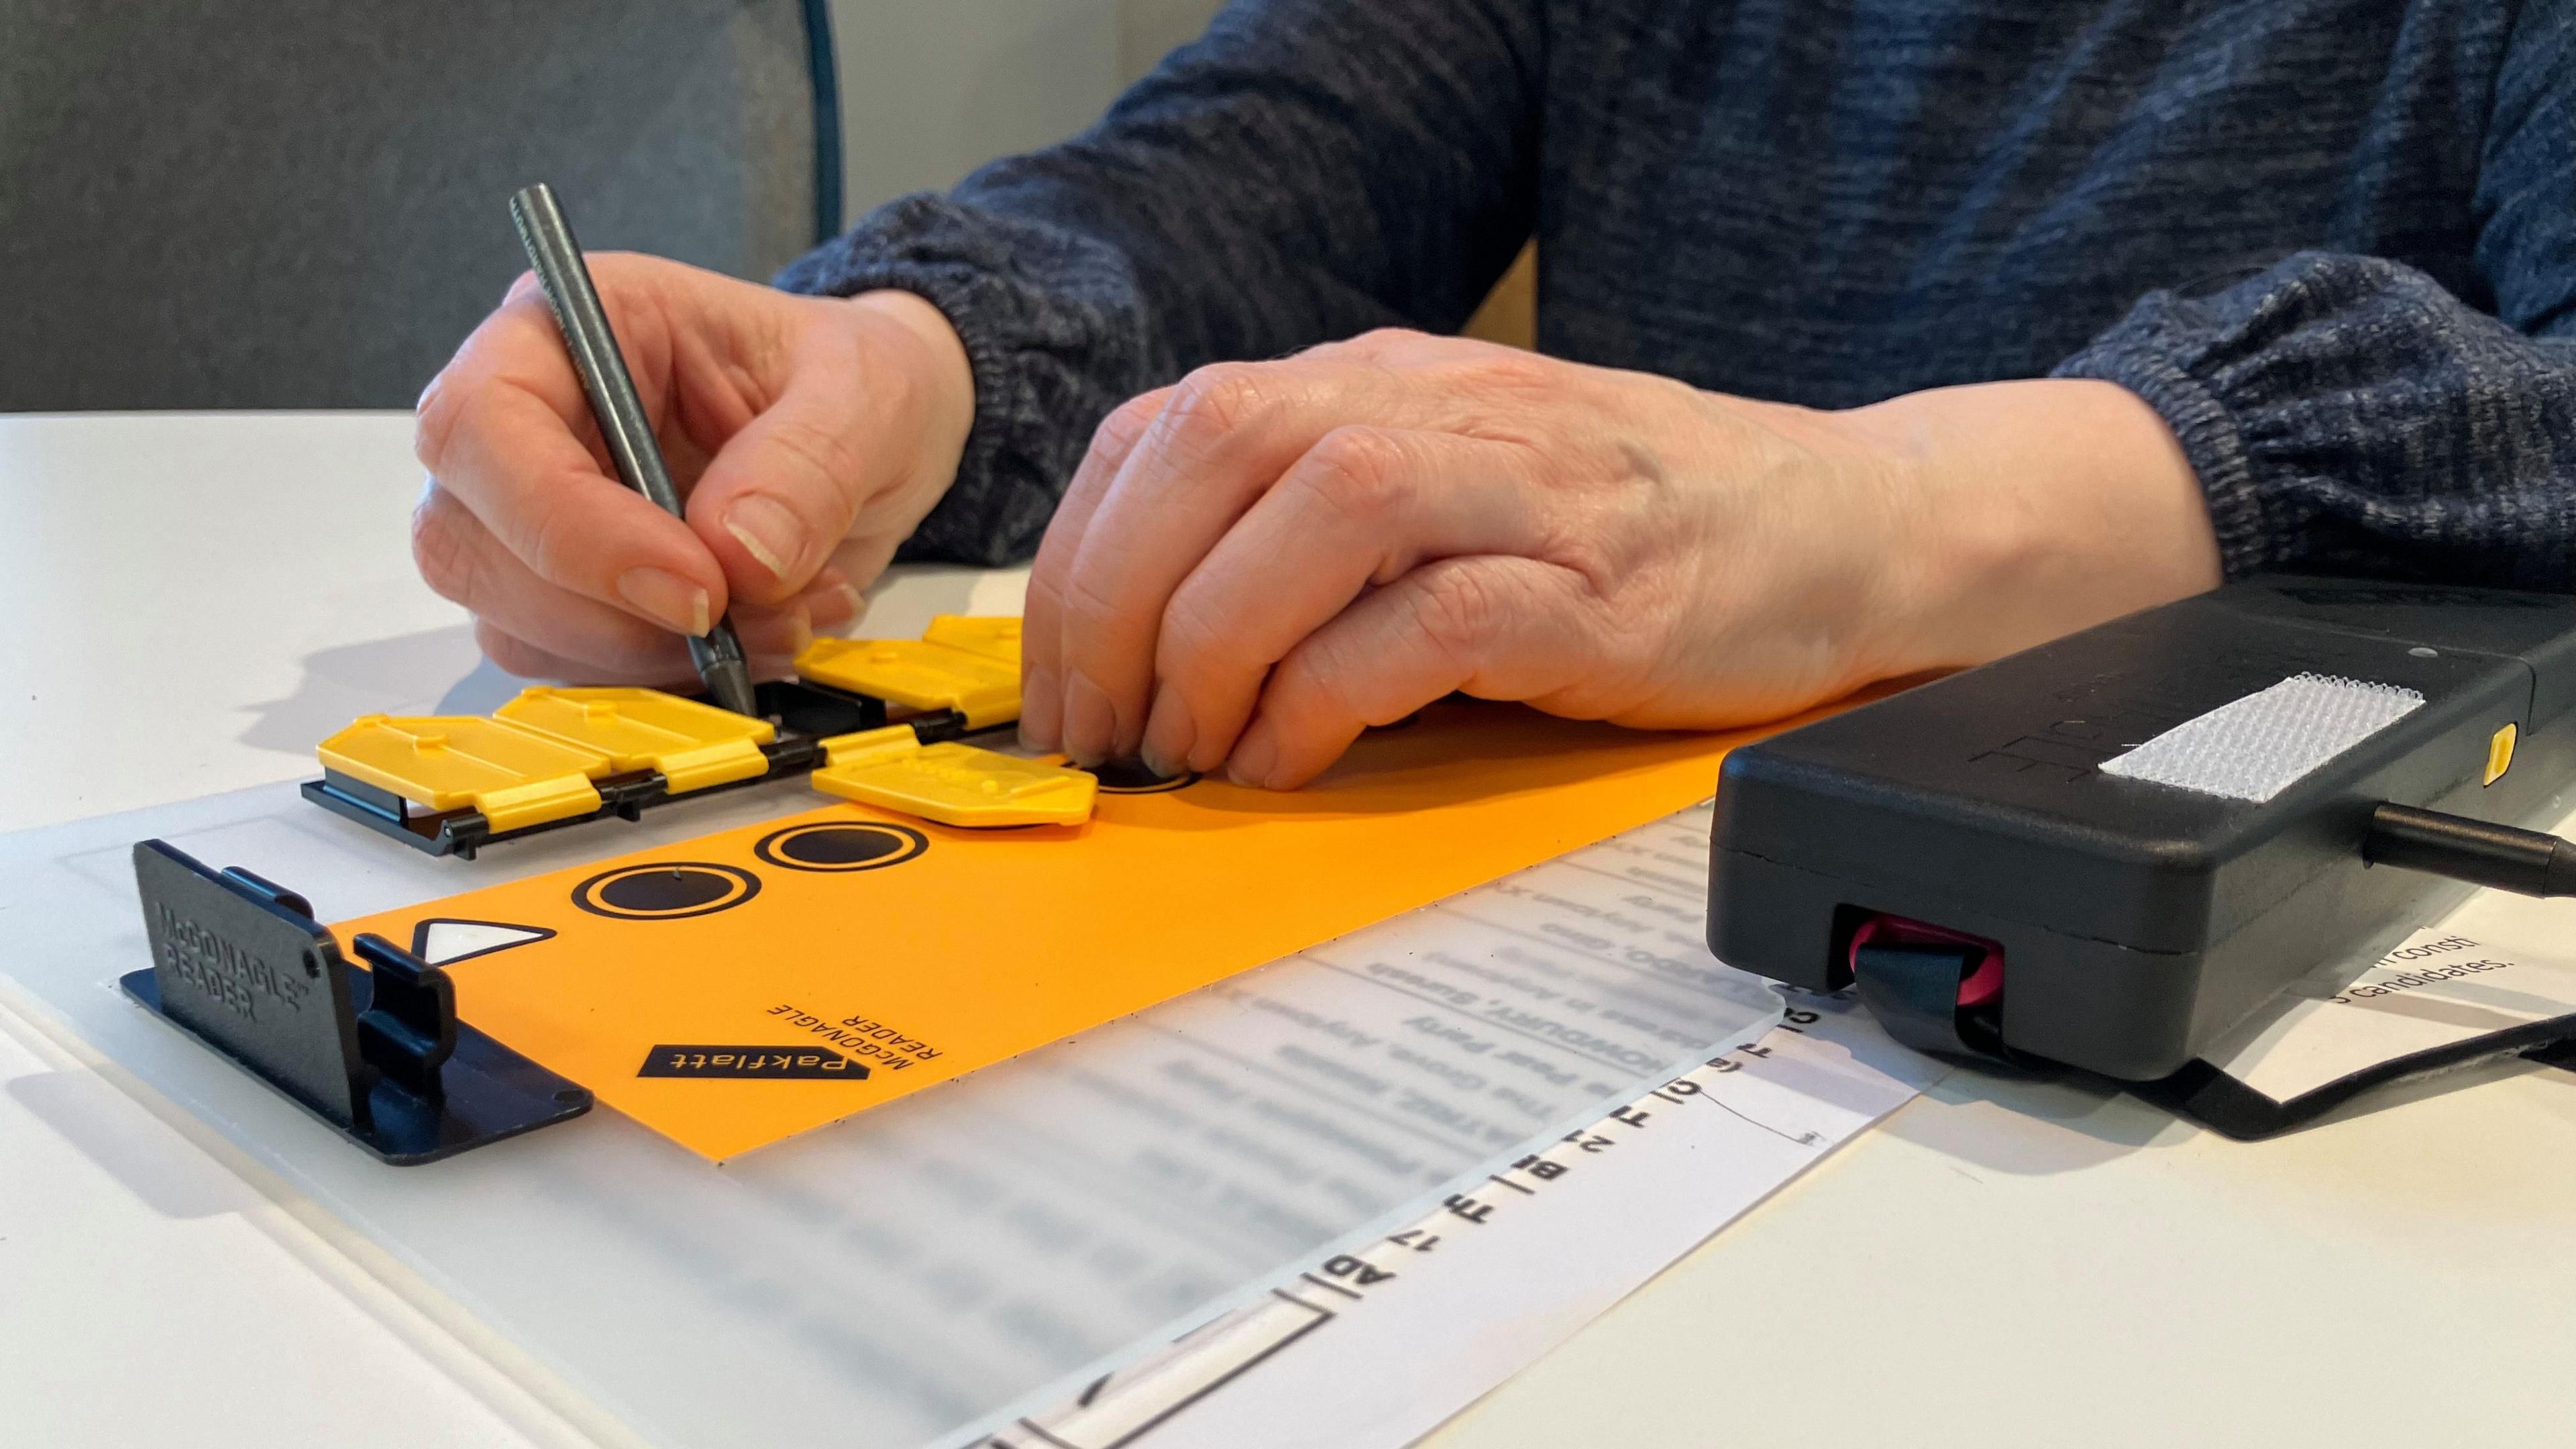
[
  {"x": 824, "y": 66},
  {"x": 2526, "y": 862}
]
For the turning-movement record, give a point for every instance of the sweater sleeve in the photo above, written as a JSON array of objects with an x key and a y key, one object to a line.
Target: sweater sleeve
[
  {"x": 1307, "y": 170},
  {"x": 2349, "y": 415}
]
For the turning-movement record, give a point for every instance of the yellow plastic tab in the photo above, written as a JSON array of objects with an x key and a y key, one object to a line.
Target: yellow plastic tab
[
  {"x": 951, "y": 783},
  {"x": 871, "y": 746},
  {"x": 915, "y": 672},
  {"x": 992, "y": 636},
  {"x": 516, "y": 777},
  {"x": 2500, "y": 753},
  {"x": 694, "y": 745}
]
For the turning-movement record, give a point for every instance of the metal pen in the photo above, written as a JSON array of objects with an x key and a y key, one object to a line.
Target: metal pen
[{"x": 611, "y": 389}]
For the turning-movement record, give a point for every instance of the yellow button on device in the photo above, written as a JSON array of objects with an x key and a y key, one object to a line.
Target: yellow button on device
[
  {"x": 951, "y": 783},
  {"x": 983, "y": 687},
  {"x": 694, "y": 745},
  {"x": 2500, "y": 753},
  {"x": 516, "y": 777}
]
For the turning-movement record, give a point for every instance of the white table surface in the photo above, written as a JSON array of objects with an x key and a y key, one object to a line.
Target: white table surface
[{"x": 192, "y": 600}]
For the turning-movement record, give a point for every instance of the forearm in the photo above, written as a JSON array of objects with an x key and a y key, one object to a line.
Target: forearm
[
  {"x": 2334, "y": 413},
  {"x": 2037, "y": 508}
]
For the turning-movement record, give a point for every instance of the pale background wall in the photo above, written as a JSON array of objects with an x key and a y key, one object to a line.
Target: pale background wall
[
  {"x": 204, "y": 215},
  {"x": 931, "y": 89}
]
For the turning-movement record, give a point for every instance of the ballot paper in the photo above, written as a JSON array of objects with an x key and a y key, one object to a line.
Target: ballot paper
[
  {"x": 1502, "y": 1270},
  {"x": 987, "y": 1247}
]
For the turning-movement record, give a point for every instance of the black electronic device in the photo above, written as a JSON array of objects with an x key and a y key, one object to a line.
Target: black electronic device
[{"x": 1959, "y": 850}]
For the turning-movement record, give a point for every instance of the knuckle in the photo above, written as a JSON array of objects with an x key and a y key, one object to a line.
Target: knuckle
[
  {"x": 1043, "y": 605},
  {"x": 551, "y": 536},
  {"x": 1116, "y": 434},
  {"x": 1391, "y": 339},
  {"x": 820, "y": 450},
  {"x": 1044, "y": 596},
  {"x": 898, "y": 395},
  {"x": 1456, "y": 610},
  {"x": 435, "y": 419},
  {"x": 442, "y": 548},
  {"x": 1216, "y": 400},
  {"x": 1402, "y": 348},
  {"x": 1087, "y": 604},
  {"x": 833, "y": 476},
  {"x": 1511, "y": 370},
  {"x": 1355, "y": 470},
  {"x": 1316, "y": 682},
  {"x": 1190, "y": 647},
  {"x": 1127, "y": 422}
]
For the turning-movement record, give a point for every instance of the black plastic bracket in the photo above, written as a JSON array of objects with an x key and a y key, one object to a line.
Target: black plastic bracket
[
  {"x": 1912, "y": 989},
  {"x": 241, "y": 964}
]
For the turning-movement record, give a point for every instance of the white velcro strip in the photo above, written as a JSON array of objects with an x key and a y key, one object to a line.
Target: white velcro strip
[{"x": 2256, "y": 747}]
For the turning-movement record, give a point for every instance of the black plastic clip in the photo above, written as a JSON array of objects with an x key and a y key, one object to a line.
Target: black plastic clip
[
  {"x": 241, "y": 964},
  {"x": 1912, "y": 988}
]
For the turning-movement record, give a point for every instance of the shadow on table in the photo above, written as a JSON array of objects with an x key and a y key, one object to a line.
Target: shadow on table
[
  {"x": 437, "y": 671},
  {"x": 94, "y": 1117},
  {"x": 2029, "y": 1124}
]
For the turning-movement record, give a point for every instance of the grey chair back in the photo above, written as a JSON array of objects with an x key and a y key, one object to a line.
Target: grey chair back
[{"x": 303, "y": 203}]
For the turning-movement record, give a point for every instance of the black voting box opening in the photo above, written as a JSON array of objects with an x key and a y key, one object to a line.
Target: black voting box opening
[
  {"x": 2137, "y": 923},
  {"x": 241, "y": 964}
]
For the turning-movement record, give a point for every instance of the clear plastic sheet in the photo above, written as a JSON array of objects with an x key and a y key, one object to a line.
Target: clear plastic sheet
[{"x": 896, "y": 1276}]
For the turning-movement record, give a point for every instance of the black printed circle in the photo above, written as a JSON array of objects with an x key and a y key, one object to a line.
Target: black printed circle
[
  {"x": 841, "y": 845},
  {"x": 665, "y": 890},
  {"x": 1130, "y": 777}
]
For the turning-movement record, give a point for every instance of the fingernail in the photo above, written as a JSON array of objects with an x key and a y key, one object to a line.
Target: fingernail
[
  {"x": 1169, "y": 733},
  {"x": 1089, "y": 720},
  {"x": 1039, "y": 727},
  {"x": 768, "y": 531},
  {"x": 668, "y": 597},
  {"x": 1254, "y": 757}
]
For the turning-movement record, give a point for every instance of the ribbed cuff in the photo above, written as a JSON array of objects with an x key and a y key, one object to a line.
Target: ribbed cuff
[{"x": 2135, "y": 355}]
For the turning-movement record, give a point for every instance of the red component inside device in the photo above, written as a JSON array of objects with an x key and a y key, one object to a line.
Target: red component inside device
[{"x": 1983, "y": 983}]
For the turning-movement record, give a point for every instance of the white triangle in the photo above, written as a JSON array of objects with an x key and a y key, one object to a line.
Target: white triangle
[{"x": 439, "y": 942}]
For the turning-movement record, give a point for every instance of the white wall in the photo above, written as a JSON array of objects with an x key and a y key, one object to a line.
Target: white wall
[
  {"x": 1148, "y": 28},
  {"x": 931, "y": 89}
]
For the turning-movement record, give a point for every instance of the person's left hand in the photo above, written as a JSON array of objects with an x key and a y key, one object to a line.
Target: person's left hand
[{"x": 1255, "y": 564}]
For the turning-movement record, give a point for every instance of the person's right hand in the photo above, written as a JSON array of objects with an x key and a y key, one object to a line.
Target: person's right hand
[{"x": 808, "y": 434}]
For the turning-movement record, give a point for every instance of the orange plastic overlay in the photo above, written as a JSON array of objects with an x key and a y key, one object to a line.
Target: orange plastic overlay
[{"x": 739, "y": 988}]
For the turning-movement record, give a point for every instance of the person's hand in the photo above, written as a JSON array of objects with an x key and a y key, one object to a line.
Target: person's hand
[
  {"x": 808, "y": 434},
  {"x": 1253, "y": 565}
]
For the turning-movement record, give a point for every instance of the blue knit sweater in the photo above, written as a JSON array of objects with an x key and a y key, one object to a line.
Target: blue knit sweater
[{"x": 2333, "y": 242}]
